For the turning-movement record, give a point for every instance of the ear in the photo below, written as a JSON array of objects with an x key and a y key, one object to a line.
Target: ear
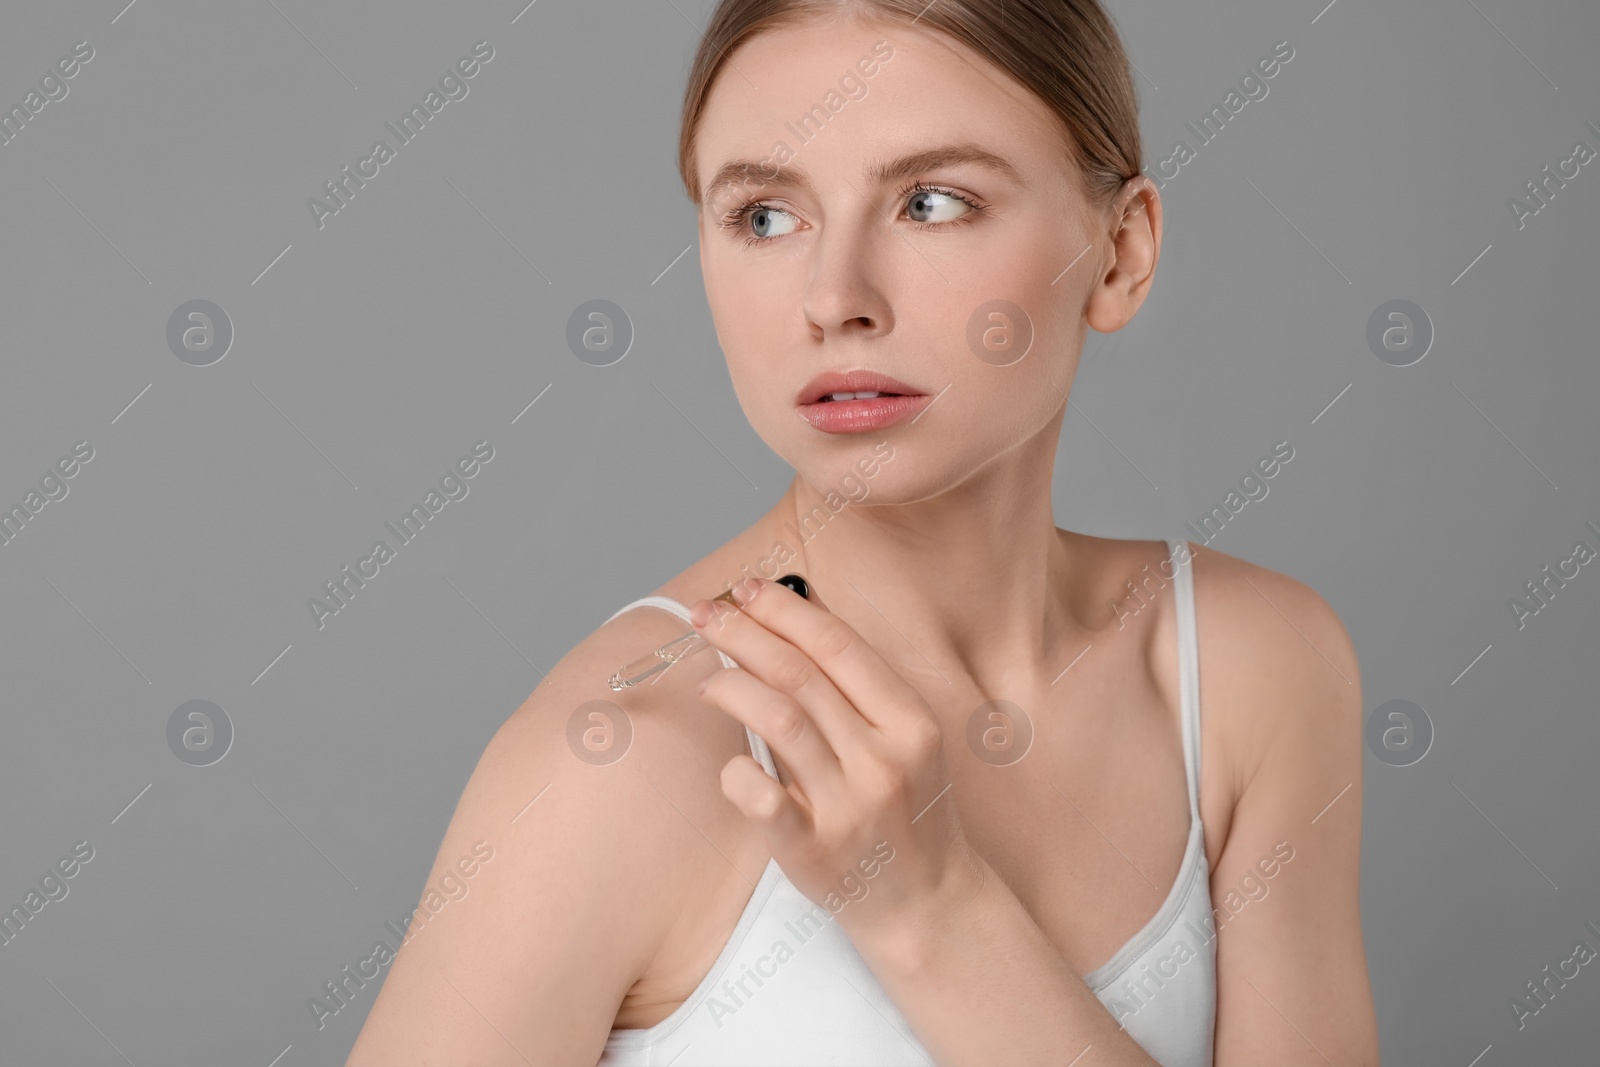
[{"x": 1135, "y": 237}]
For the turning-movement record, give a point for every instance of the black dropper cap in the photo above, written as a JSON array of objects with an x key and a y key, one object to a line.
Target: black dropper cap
[{"x": 796, "y": 583}]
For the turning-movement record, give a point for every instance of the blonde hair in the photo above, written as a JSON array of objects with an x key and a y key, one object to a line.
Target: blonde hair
[{"x": 1066, "y": 52}]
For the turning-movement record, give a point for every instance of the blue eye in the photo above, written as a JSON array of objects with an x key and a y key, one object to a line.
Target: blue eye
[
  {"x": 926, "y": 200},
  {"x": 763, "y": 219},
  {"x": 929, "y": 207}
]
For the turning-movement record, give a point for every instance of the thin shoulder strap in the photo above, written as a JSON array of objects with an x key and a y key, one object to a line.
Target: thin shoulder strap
[
  {"x": 758, "y": 747},
  {"x": 1188, "y": 667}
]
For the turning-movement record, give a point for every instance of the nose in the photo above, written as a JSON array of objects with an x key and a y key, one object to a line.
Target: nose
[{"x": 844, "y": 297}]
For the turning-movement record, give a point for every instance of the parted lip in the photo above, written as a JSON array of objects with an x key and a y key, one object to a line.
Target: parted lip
[{"x": 853, "y": 381}]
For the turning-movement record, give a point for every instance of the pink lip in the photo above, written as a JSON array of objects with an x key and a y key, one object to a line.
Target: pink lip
[
  {"x": 852, "y": 381},
  {"x": 860, "y": 416}
]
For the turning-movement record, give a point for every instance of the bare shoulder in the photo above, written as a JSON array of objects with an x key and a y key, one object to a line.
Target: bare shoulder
[
  {"x": 1280, "y": 687},
  {"x": 641, "y": 763},
  {"x": 1274, "y": 647},
  {"x": 603, "y": 810},
  {"x": 1269, "y": 645},
  {"x": 1281, "y": 692}
]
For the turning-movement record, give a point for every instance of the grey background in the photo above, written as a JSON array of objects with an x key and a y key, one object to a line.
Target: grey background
[{"x": 427, "y": 315}]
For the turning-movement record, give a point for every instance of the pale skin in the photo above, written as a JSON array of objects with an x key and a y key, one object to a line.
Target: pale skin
[{"x": 947, "y": 586}]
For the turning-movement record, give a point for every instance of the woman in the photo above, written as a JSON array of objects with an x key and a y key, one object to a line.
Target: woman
[{"x": 968, "y": 808}]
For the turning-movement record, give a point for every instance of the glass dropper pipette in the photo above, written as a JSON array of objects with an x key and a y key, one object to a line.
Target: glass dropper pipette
[{"x": 681, "y": 648}]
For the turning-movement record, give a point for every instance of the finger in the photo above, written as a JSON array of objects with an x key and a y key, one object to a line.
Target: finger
[
  {"x": 765, "y": 802},
  {"x": 862, "y": 676},
  {"x": 784, "y": 724},
  {"x": 785, "y": 668}
]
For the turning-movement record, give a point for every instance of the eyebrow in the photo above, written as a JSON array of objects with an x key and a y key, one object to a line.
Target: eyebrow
[{"x": 751, "y": 172}]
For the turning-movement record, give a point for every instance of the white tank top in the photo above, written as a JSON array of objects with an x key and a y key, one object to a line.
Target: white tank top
[{"x": 790, "y": 988}]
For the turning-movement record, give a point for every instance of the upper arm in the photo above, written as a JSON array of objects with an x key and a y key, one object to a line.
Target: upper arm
[
  {"x": 529, "y": 963},
  {"x": 1291, "y": 962}
]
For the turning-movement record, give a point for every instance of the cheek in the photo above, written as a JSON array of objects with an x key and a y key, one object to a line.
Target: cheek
[
  {"x": 761, "y": 399},
  {"x": 756, "y": 307},
  {"x": 1037, "y": 272},
  {"x": 751, "y": 303},
  {"x": 759, "y": 322},
  {"x": 1020, "y": 346}
]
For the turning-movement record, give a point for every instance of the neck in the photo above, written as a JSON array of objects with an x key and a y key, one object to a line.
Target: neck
[{"x": 973, "y": 584}]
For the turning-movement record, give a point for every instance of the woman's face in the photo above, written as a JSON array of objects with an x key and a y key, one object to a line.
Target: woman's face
[{"x": 937, "y": 286}]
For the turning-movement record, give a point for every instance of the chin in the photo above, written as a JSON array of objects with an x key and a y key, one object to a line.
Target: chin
[{"x": 861, "y": 477}]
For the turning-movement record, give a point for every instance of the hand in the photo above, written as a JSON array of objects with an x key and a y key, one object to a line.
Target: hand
[{"x": 867, "y": 819}]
